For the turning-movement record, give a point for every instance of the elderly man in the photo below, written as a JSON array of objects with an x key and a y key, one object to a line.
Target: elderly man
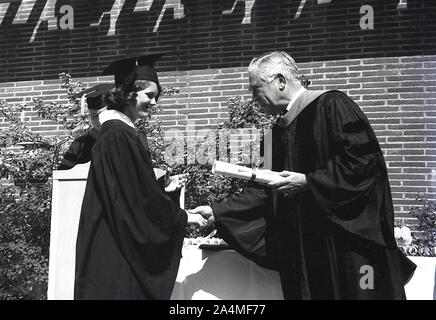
[{"x": 327, "y": 225}]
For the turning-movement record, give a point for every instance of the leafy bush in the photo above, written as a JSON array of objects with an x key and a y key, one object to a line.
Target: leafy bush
[
  {"x": 425, "y": 211},
  {"x": 26, "y": 163},
  {"x": 24, "y": 242},
  {"x": 27, "y": 160}
]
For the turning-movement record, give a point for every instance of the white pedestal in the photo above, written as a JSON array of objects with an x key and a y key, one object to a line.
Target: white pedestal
[
  {"x": 422, "y": 286},
  {"x": 68, "y": 190},
  {"x": 223, "y": 275}
]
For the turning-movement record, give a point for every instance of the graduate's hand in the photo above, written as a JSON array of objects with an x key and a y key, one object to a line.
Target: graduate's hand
[
  {"x": 174, "y": 183},
  {"x": 196, "y": 219},
  {"x": 289, "y": 182}
]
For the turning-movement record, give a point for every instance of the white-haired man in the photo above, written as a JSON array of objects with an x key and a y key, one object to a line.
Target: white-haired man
[{"x": 327, "y": 224}]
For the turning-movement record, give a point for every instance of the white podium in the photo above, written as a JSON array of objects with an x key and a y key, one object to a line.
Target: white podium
[
  {"x": 422, "y": 286},
  {"x": 68, "y": 190},
  {"x": 223, "y": 275}
]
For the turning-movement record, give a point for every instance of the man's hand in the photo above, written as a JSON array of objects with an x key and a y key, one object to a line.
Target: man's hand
[
  {"x": 173, "y": 183},
  {"x": 205, "y": 211},
  {"x": 290, "y": 182},
  {"x": 196, "y": 219}
]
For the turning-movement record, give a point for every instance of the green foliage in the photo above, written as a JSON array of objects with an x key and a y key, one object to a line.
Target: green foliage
[
  {"x": 247, "y": 113},
  {"x": 27, "y": 160},
  {"x": 425, "y": 211},
  {"x": 27, "y": 166},
  {"x": 17, "y": 132},
  {"x": 24, "y": 215},
  {"x": 24, "y": 242}
]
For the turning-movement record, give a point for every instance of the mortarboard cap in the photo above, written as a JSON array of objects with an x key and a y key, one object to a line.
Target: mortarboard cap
[
  {"x": 140, "y": 68},
  {"x": 93, "y": 95}
]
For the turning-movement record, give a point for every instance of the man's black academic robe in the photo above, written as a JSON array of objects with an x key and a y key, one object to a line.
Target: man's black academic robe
[
  {"x": 334, "y": 240},
  {"x": 130, "y": 233}
]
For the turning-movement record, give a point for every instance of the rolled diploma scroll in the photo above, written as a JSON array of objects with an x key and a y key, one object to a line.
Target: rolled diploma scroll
[
  {"x": 182, "y": 197},
  {"x": 241, "y": 172}
]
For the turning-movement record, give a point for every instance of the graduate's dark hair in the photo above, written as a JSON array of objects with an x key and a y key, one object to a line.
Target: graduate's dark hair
[{"x": 120, "y": 97}]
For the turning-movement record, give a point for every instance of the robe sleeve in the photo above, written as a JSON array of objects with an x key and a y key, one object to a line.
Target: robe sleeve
[
  {"x": 351, "y": 185},
  {"x": 147, "y": 225},
  {"x": 241, "y": 222},
  {"x": 79, "y": 150}
]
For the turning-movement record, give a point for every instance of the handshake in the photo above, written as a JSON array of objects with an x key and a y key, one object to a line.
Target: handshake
[{"x": 201, "y": 216}]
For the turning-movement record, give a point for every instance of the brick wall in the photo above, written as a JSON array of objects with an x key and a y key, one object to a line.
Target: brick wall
[
  {"x": 388, "y": 71},
  {"x": 203, "y": 34}
]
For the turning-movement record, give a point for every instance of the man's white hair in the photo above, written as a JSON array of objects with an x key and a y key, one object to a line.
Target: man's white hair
[{"x": 270, "y": 64}]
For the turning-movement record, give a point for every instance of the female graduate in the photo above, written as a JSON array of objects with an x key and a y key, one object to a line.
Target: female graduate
[{"x": 130, "y": 232}]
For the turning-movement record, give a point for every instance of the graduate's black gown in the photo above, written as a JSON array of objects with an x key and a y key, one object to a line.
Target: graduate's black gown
[
  {"x": 322, "y": 240},
  {"x": 130, "y": 232}
]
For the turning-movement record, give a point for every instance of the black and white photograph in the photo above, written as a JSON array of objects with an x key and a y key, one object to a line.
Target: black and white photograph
[{"x": 239, "y": 151}]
